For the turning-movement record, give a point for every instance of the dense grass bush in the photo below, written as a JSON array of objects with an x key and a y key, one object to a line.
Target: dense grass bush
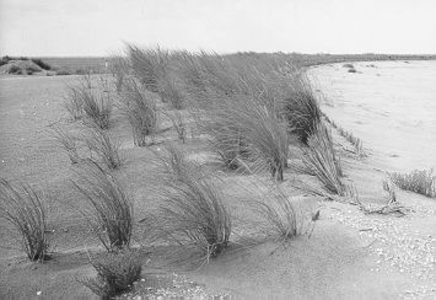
[
  {"x": 193, "y": 214},
  {"x": 225, "y": 94},
  {"x": 100, "y": 143},
  {"x": 68, "y": 142},
  {"x": 24, "y": 210},
  {"x": 301, "y": 108},
  {"x": 189, "y": 68},
  {"x": 116, "y": 272},
  {"x": 266, "y": 139},
  {"x": 141, "y": 110},
  {"x": 320, "y": 158},
  {"x": 225, "y": 137},
  {"x": 150, "y": 66},
  {"x": 246, "y": 112},
  {"x": 96, "y": 105},
  {"x": 110, "y": 208},
  {"x": 97, "y": 108},
  {"x": 277, "y": 216},
  {"x": 418, "y": 181},
  {"x": 41, "y": 64},
  {"x": 80, "y": 100}
]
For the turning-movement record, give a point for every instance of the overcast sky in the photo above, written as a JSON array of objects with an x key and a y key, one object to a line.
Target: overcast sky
[{"x": 99, "y": 27}]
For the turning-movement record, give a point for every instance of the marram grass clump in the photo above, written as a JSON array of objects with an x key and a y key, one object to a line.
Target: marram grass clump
[
  {"x": 193, "y": 216},
  {"x": 321, "y": 159},
  {"x": 109, "y": 206},
  {"x": 23, "y": 208},
  {"x": 116, "y": 272},
  {"x": 141, "y": 110}
]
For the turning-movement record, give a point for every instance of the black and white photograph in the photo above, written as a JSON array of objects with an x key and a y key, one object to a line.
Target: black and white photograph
[{"x": 217, "y": 150}]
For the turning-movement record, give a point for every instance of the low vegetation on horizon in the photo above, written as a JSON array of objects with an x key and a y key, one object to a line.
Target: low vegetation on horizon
[{"x": 50, "y": 66}]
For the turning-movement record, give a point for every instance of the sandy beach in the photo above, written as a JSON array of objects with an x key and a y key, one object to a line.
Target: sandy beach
[{"x": 391, "y": 106}]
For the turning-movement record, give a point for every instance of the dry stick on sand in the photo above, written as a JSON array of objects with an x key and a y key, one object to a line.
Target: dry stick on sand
[{"x": 392, "y": 205}]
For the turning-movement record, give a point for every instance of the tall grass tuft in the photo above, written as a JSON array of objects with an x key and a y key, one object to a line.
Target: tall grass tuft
[
  {"x": 68, "y": 142},
  {"x": 277, "y": 216},
  {"x": 116, "y": 272},
  {"x": 225, "y": 137},
  {"x": 119, "y": 68},
  {"x": 73, "y": 102},
  {"x": 150, "y": 66},
  {"x": 24, "y": 210},
  {"x": 109, "y": 206},
  {"x": 170, "y": 91},
  {"x": 248, "y": 132},
  {"x": 141, "y": 110},
  {"x": 418, "y": 181},
  {"x": 193, "y": 214},
  {"x": 321, "y": 160},
  {"x": 267, "y": 139},
  {"x": 301, "y": 108},
  {"x": 97, "y": 107},
  {"x": 101, "y": 144}
]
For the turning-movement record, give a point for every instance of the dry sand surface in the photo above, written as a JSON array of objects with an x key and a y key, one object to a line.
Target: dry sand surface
[
  {"x": 391, "y": 106},
  {"x": 350, "y": 255}
]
